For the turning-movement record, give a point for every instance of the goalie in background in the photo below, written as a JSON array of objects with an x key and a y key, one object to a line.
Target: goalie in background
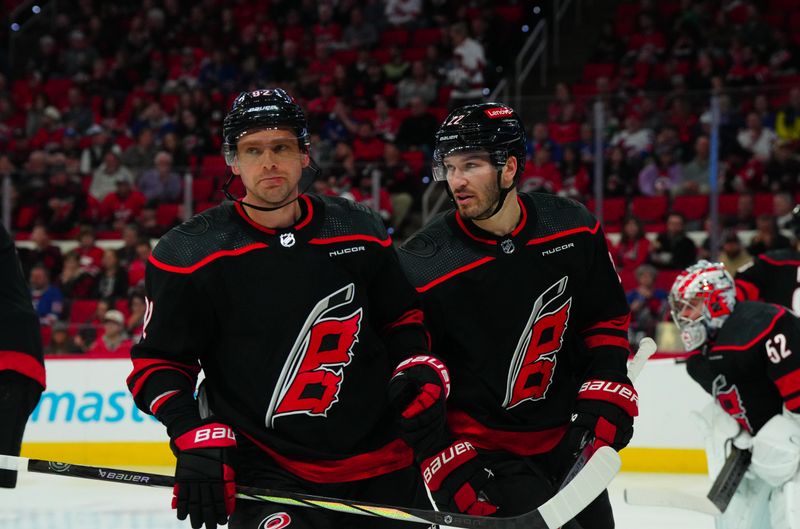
[
  {"x": 749, "y": 361},
  {"x": 22, "y": 378}
]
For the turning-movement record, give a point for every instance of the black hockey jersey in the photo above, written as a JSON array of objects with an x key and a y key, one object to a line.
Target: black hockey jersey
[
  {"x": 521, "y": 320},
  {"x": 20, "y": 338},
  {"x": 297, "y": 332},
  {"x": 752, "y": 368},
  {"x": 773, "y": 277}
]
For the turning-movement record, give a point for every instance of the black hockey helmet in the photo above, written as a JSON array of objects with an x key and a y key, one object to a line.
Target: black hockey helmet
[
  {"x": 270, "y": 108},
  {"x": 491, "y": 127}
]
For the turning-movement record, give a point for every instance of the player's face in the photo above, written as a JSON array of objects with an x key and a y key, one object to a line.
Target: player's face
[
  {"x": 473, "y": 181},
  {"x": 692, "y": 310},
  {"x": 270, "y": 163}
]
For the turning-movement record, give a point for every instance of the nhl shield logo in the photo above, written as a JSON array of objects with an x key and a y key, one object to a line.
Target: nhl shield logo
[
  {"x": 287, "y": 240},
  {"x": 507, "y": 245}
]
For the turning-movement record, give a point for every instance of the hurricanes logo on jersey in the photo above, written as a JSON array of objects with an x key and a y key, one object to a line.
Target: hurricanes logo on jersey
[
  {"x": 534, "y": 360},
  {"x": 313, "y": 372},
  {"x": 731, "y": 401}
]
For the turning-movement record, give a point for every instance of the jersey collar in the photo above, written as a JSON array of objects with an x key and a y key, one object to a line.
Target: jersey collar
[
  {"x": 476, "y": 234},
  {"x": 308, "y": 216}
]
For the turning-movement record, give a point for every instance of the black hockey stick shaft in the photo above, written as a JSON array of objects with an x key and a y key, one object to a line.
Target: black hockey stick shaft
[
  {"x": 562, "y": 507},
  {"x": 729, "y": 478}
]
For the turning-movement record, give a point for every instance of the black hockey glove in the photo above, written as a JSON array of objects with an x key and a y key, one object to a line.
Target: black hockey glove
[
  {"x": 603, "y": 416},
  {"x": 458, "y": 481},
  {"x": 204, "y": 480},
  {"x": 418, "y": 391},
  {"x": 18, "y": 397}
]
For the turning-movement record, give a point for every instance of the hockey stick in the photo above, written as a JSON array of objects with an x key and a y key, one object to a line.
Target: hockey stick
[
  {"x": 647, "y": 347},
  {"x": 714, "y": 503},
  {"x": 562, "y": 507}
]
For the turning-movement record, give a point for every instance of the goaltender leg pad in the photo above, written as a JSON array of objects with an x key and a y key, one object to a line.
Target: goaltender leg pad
[
  {"x": 749, "y": 508},
  {"x": 784, "y": 505},
  {"x": 776, "y": 451},
  {"x": 718, "y": 429}
]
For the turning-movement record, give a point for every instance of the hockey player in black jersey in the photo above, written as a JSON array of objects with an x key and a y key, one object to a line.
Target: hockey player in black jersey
[
  {"x": 748, "y": 362},
  {"x": 524, "y": 306},
  {"x": 22, "y": 377},
  {"x": 773, "y": 276},
  {"x": 297, "y": 311}
]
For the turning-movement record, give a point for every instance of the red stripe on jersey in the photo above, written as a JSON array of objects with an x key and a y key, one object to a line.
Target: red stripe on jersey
[
  {"x": 779, "y": 263},
  {"x": 619, "y": 323},
  {"x": 520, "y": 443},
  {"x": 751, "y": 343},
  {"x": 454, "y": 273},
  {"x": 603, "y": 339},
  {"x": 793, "y": 404},
  {"x": 789, "y": 384},
  {"x": 523, "y": 218},
  {"x": 152, "y": 364},
  {"x": 157, "y": 403},
  {"x": 745, "y": 290},
  {"x": 213, "y": 257},
  {"x": 565, "y": 233},
  {"x": 309, "y": 216},
  {"x": 388, "y": 458},
  {"x": 346, "y": 238},
  {"x": 412, "y": 317},
  {"x": 24, "y": 364},
  {"x": 469, "y": 234},
  {"x": 242, "y": 213}
]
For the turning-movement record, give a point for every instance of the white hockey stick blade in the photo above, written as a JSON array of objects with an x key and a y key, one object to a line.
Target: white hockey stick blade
[
  {"x": 602, "y": 467},
  {"x": 657, "y": 497},
  {"x": 647, "y": 347}
]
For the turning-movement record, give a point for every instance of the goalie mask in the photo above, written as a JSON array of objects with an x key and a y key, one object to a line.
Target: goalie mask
[
  {"x": 493, "y": 128},
  {"x": 701, "y": 299}
]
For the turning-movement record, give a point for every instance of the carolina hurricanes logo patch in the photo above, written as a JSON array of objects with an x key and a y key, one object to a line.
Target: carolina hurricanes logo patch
[
  {"x": 534, "y": 361},
  {"x": 313, "y": 372},
  {"x": 731, "y": 401},
  {"x": 275, "y": 521}
]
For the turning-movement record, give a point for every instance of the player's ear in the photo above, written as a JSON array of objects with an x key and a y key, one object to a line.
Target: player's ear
[
  {"x": 235, "y": 167},
  {"x": 306, "y": 159},
  {"x": 509, "y": 170}
]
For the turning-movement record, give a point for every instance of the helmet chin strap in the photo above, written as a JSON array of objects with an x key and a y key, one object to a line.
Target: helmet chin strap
[
  {"x": 226, "y": 190},
  {"x": 502, "y": 198}
]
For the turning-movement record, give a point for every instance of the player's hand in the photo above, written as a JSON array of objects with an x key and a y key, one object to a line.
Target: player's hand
[
  {"x": 603, "y": 415},
  {"x": 458, "y": 481},
  {"x": 204, "y": 480},
  {"x": 418, "y": 391}
]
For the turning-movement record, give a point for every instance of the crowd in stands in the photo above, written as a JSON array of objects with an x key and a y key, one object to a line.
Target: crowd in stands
[{"x": 120, "y": 100}]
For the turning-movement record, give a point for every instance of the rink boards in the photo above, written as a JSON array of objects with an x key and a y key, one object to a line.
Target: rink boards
[{"x": 87, "y": 415}]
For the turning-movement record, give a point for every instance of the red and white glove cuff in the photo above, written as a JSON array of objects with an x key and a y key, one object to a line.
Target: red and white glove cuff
[
  {"x": 617, "y": 393},
  {"x": 436, "y": 468},
  {"x": 211, "y": 435},
  {"x": 430, "y": 361}
]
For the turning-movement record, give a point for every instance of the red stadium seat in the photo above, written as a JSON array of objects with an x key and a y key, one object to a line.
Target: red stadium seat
[
  {"x": 512, "y": 14},
  {"x": 202, "y": 189},
  {"x": 82, "y": 309},
  {"x": 381, "y": 55},
  {"x": 763, "y": 204},
  {"x": 167, "y": 214},
  {"x": 592, "y": 71},
  {"x": 25, "y": 217},
  {"x": 614, "y": 210},
  {"x": 202, "y": 206},
  {"x": 345, "y": 57},
  {"x": 122, "y": 306},
  {"x": 693, "y": 207},
  {"x": 728, "y": 203},
  {"x": 414, "y": 54},
  {"x": 393, "y": 37},
  {"x": 213, "y": 166},
  {"x": 628, "y": 279},
  {"x": 665, "y": 278},
  {"x": 427, "y": 36},
  {"x": 415, "y": 160},
  {"x": 650, "y": 209}
]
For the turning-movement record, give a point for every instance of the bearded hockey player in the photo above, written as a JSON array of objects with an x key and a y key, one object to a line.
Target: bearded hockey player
[
  {"x": 22, "y": 378},
  {"x": 748, "y": 363},
  {"x": 773, "y": 276},
  {"x": 297, "y": 311},
  {"x": 525, "y": 307}
]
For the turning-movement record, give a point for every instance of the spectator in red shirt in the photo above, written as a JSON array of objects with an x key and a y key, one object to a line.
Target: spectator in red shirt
[
  {"x": 367, "y": 147},
  {"x": 565, "y": 128},
  {"x": 43, "y": 253},
  {"x": 90, "y": 256},
  {"x": 62, "y": 202},
  {"x": 326, "y": 31},
  {"x": 50, "y": 132},
  {"x": 137, "y": 266},
  {"x": 363, "y": 194},
  {"x": 541, "y": 175},
  {"x": 633, "y": 247},
  {"x": 325, "y": 103},
  {"x": 114, "y": 341},
  {"x": 122, "y": 206}
]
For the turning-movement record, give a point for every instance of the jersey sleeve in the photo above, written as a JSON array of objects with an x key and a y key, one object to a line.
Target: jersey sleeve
[
  {"x": 750, "y": 279},
  {"x": 396, "y": 309},
  {"x": 20, "y": 339},
  {"x": 603, "y": 315},
  {"x": 178, "y": 328},
  {"x": 782, "y": 350}
]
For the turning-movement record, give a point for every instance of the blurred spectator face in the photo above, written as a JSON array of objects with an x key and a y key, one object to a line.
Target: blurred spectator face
[
  {"x": 146, "y": 138},
  {"x": 646, "y": 276},
  {"x": 744, "y": 206},
  {"x": 143, "y": 251},
  {"x": 39, "y": 236},
  {"x": 163, "y": 163},
  {"x": 539, "y": 132},
  {"x": 541, "y": 156},
  {"x": 562, "y": 92},
  {"x": 365, "y": 131},
  {"x": 753, "y": 121},
  {"x": 112, "y": 161},
  {"x": 794, "y": 98},
  {"x": 136, "y": 305},
  {"x": 38, "y": 278},
  {"x": 732, "y": 246},
  {"x": 37, "y": 162},
  {"x": 417, "y": 106},
  {"x": 781, "y": 153},
  {"x": 674, "y": 225},
  {"x": 781, "y": 204},
  {"x": 765, "y": 223},
  {"x": 632, "y": 123},
  {"x": 631, "y": 229},
  {"x": 86, "y": 238},
  {"x": 761, "y": 104},
  {"x": 289, "y": 49},
  {"x": 356, "y": 18},
  {"x": 109, "y": 260},
  {"x": 391, "y": 153},
  {"x": 457, "y": 34},
  {"x": 130, "y": 235},
  {"x": 418, "y": 70},
  {"x": 112, "y": 328},
  {"x": 586, "y": 133},
  {"x": 59, "y": 178},
  {"x": 701, "y": 147}
]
